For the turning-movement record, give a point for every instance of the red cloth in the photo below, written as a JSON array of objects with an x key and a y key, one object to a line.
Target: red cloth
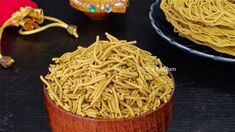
[{"x": 8, "y": 7}]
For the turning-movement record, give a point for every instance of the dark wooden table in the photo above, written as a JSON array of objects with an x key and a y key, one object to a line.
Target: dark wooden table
[{"x": 205, "y": 90}]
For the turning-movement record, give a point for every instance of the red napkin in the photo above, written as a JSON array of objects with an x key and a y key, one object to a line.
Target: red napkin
[{"x": 8, "y": 7}]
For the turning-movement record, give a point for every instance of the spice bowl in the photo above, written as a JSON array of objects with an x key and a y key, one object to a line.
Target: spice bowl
[{"x": 152, "y": 121}]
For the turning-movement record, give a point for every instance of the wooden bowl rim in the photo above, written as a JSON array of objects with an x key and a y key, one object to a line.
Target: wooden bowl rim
[{"x": 109, "y": 120}]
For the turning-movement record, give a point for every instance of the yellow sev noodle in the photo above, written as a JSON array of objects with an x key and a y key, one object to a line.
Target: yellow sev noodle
[
  {"x": 206, "y": 22},
  {"x": 108, "y": 80}
]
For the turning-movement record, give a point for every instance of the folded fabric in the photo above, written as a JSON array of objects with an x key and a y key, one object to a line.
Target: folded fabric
[{"x": 8, "y": 7}]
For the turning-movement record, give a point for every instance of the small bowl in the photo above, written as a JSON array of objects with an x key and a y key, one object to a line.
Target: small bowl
[
  {"x": 152, "y": 121},
  {"x": 95, "y": 12}
]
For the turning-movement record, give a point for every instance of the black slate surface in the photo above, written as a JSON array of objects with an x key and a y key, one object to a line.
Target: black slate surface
[{"x": 205, "y": 90}]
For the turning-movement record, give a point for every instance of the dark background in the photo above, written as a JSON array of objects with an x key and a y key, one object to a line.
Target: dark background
[{"x": 205, "y": 90}]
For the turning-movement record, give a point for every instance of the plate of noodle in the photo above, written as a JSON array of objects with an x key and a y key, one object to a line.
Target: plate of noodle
[{"x": 202, "y": 28}]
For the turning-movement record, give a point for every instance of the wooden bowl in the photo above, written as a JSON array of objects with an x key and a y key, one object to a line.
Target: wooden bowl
[{"x": 153, "y": 121}]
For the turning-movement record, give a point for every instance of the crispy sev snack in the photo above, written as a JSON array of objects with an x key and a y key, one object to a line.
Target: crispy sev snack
[
  {"x": 108, "y": 80},
  {"x": 206, "y": 22}
]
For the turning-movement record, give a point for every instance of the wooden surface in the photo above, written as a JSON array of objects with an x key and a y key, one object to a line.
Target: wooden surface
[{"x": 205, "y": 90}]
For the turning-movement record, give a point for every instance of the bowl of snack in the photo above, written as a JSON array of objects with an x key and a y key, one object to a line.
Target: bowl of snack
[
  {"x": 110, "y": 86},
  {"x": 204, "y": 28},
  {"x": 99, "y": 9}
]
